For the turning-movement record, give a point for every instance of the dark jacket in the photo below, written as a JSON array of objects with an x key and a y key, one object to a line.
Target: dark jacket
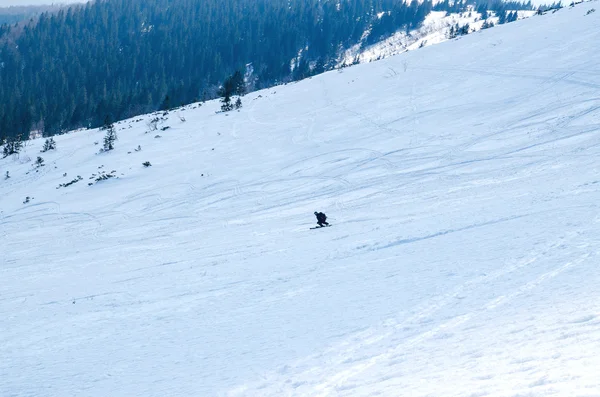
[{"x": 321, "y": 217}]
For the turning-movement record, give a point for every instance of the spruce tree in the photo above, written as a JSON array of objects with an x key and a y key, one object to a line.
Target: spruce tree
[
  {"x": 226, "y": 103},
  {"x": 12, "y": 145},
  {"x": 49, "y": 144},
  {"x": 110, "y": 138},
  {"x": 166, "y": 105},
  {"x": 237, "y": 83},
  {"x": 233, "y": 85},
  {"x": 107, "y": 124}
]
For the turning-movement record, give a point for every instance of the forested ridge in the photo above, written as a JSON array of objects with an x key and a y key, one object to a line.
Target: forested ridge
[
  {"x": 14, "y": 14},
  {"x": 118, "y": 58}
]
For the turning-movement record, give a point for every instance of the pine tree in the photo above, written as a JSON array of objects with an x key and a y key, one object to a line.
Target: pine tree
[
  {"x": 110, "y": 138},
  {"x": 502, "y": 17},
  {"x": 452, "y": 32},
  {"x": 226, "y": 103},
  {"x": 166, "y": 105},
  {"x": 49, "y": 144},
  {"x": 233, "y": 85},
  {"x": 238, "y": 103},
  {"x": 12, "y": 145},
  {"x": 237, "y": 83},
  {"x": 107, "y": 124}
]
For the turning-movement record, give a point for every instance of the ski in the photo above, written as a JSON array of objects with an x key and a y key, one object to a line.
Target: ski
[{"x": 319, "y": 227}]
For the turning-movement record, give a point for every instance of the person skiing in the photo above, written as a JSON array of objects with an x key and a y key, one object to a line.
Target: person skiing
[{"x": 321, "y": 219}]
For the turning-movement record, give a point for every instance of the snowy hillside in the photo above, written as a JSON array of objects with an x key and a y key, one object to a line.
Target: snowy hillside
[
  {"x": 462, "y": 182},
  {"x": 435, "y": 30}
]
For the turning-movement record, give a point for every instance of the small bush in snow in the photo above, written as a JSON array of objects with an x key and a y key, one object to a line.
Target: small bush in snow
[
  {"x": 153, "y": 124},
  {"x": 39, "y": 162},
  {"x": 147, "y": 164},
  {"x": 103, "y": 176},
  {"x": 74, "y": 181}
]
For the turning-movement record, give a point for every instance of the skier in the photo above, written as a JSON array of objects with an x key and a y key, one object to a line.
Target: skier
[{"x": 321, "y": 218}]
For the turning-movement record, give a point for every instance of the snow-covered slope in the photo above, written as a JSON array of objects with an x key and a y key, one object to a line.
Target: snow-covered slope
[
  {"x": 434, "y": 30},
  {"x": 462, "y": 181}
]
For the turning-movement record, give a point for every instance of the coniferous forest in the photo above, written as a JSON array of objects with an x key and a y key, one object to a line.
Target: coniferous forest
[
  {"x": 14, "y": 14},
  {"x": 118, "y": 58}
]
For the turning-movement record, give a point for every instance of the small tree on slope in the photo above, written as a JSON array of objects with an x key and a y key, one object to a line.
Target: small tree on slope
[
  {"x": 12, "y": 146},
  {"x": 233, "y": 85},
  {"x": 110, "y": 138},
  {"x": 50, "y": 144}
]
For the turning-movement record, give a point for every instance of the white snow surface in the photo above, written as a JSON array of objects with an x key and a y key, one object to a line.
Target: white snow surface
[
  {"x": 462, "y": 181},
  {"x": 434, "y": 30}
]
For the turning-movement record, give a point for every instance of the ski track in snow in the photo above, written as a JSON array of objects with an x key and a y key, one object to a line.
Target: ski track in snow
[{"x": 463, "y": 192}]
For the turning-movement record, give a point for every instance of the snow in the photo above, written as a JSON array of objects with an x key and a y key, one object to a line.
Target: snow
[
  {"x": 461, "y": 181},
  {"x": 434, "y": 30}
]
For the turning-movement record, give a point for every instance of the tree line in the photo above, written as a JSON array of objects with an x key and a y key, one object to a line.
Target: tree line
[{"x": 118, "y": 58}]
